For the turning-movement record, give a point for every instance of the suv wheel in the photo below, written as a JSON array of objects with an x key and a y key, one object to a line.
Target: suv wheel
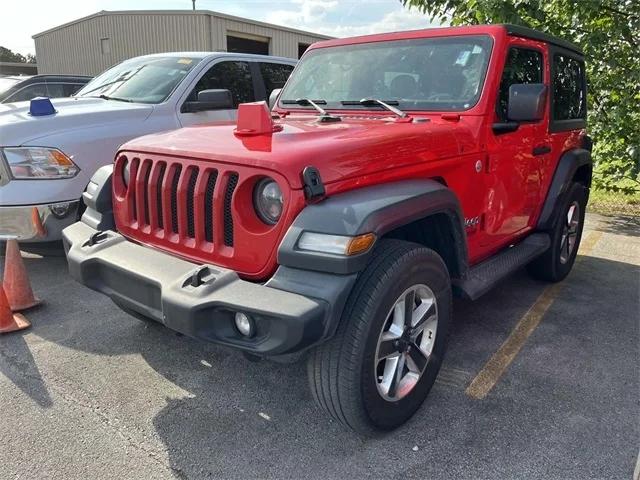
[
  {"x": 556, "y": 263},
  {"x": 379, "y": 367}
]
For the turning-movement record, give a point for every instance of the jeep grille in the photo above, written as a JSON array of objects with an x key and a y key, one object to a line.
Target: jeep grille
[{"x": 187, "y": 206}]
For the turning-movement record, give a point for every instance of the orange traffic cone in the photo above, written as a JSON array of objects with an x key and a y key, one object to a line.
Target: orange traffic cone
[
  {"x": 16, "y": 281},
  {"x": 9, "y": 321},
  {"x": 37, "y": 222}
]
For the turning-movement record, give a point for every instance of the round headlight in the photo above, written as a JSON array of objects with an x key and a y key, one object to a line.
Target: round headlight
[{"x": 268, "y": 201}]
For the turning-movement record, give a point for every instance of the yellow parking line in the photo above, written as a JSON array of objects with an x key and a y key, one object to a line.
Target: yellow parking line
[{"x": 487, "y": 378}]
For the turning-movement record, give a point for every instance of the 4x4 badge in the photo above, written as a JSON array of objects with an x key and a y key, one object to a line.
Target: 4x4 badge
[{"x": 471, "y": 222}]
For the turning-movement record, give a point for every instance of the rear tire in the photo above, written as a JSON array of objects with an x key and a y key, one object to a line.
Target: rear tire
[
  {"x": 556, "y": 263},
  {"x": 397, "y": 315}
]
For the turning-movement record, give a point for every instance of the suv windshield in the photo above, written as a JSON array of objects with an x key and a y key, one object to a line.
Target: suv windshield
[
  {"x": 438, "y": 74},
  {"x": 143, "y": 80}
]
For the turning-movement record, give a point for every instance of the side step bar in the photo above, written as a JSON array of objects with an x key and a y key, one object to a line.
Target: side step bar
[{"x": 485, "y": 275}]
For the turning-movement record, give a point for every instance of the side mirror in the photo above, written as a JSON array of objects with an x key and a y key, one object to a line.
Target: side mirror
[
  {"x": 214, "y": 99},
  {"x": 527, "y": 102},
  {"x": 273, "y": 97}
]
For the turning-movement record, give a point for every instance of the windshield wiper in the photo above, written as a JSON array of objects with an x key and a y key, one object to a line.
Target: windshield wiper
[
  {"x": 122, "y": 78},
  {"x": 104, "y": 85},
  {"x": 374, "y": 101},
  {"x": 324, "y": 115},
  {"x": 107, "y": 97}
]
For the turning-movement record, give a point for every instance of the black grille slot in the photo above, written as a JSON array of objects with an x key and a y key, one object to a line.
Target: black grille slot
[
  {"x": 174, "y": 198},
  {"x": 159, "y": 195},
  {"x": 146, "y": 191},
  {"x": 208, "y": 206},
  {"x": 134, "y": 167},
  {"x": 191, "y": 189},
  {"x": 228, "y": 219}
]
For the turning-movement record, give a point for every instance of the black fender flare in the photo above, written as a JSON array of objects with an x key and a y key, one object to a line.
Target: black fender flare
[
  {"x": 376, "y": 209},
  {"x": 568, "y": 165}
]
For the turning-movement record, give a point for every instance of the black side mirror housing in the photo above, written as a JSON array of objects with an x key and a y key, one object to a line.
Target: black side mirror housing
[
  {"x": 273, "y": 97},
  {"x": 214, "y": 99},
  {"x": 527, "y": 102}
]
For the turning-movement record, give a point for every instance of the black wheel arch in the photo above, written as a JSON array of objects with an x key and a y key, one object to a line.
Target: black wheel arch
[
  {"x": 575, "y": 165},
  {"x": 411, "y": 210}
]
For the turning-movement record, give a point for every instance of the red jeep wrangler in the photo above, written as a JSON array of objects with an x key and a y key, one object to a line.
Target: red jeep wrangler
[{"x": 393, "y": 171}]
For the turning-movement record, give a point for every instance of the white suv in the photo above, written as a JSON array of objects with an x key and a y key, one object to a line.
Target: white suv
[{"x": 49, "y": 149}]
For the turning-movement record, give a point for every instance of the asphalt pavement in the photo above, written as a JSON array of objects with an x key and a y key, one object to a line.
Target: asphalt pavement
[{"x": 90, "y": 392}]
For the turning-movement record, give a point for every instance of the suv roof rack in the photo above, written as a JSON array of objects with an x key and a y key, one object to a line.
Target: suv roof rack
[{"x": 520, "y": 31}]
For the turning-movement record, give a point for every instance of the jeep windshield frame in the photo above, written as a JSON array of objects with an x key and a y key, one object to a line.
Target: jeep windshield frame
[{"x": 434, "y": 74}]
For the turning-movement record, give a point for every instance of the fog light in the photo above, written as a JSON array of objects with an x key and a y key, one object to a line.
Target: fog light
[
  {"x": 244, "y": 324},
  {"x": 60, "y": 210}
]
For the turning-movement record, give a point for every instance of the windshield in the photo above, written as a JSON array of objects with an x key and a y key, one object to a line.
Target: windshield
[
  {"x": 142, "y": 80},
  {"x": 423, "y": 74},
  {"x": 7, "y": 83}
]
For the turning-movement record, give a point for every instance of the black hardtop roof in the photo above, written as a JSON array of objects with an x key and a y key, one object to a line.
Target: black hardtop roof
[{"x": 520, "y": 31}]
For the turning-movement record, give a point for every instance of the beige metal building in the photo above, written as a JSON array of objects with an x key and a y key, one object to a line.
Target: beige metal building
[{"x": 91, "y": 44}]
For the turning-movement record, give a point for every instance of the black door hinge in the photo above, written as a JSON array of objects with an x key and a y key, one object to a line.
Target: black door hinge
[{"x": 313, "y": 186}]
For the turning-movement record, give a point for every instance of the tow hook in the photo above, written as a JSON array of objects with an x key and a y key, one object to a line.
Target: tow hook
[{"x": 95, "y": 238}]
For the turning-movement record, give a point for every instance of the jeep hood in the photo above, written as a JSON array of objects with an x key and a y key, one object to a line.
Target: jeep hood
[
  {"x": 351, "y": 148},
  {"x": 18, "y": 127}
]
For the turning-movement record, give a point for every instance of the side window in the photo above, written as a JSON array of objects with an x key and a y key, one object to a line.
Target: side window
[
  {"x": 569, "y": 100},
  {"x": 71, "y": 88},
  {"x": 274, "y": 75},
  {"x": 522, "y": 66},
  {"x": 55, "y": 90},
  {"x": 29, "y": 92},
  {"x": 233, "y": 76}
]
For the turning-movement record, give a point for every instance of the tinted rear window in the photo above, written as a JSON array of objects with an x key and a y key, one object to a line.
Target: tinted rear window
[{"x": 569, "y": 100}]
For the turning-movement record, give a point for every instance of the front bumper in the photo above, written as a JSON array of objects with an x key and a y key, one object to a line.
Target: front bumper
[
  {"x": 37, "y": 223},
  {"x": 197, "y": 300}
]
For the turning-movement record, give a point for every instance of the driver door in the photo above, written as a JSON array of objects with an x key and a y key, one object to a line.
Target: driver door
[
  {"x": 233, "y": 75},
  {"x": 514, "y": 167}
]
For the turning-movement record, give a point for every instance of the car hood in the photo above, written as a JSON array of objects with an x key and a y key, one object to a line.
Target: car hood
[
  {"x": 18, "y": 127},
  {"x": 354, "y": 147}
]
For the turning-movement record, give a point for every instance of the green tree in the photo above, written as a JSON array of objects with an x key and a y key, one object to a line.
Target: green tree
[
  {"x": 609, "y": 33},
  {"x": 7, "y": 55}
]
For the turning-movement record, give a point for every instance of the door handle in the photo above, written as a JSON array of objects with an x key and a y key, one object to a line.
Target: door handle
[{"x": 541, "y": 150}]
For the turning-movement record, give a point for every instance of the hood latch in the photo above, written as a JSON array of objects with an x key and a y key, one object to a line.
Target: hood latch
[{"x": 313, "y": 186}]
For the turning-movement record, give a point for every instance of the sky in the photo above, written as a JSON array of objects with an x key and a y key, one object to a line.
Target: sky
[{"x": 19, "y": 20}]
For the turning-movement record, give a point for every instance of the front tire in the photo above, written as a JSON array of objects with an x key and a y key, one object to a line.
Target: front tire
[
  {"x": 379, "y": 367},
  {"x": 556, "y": 263}
]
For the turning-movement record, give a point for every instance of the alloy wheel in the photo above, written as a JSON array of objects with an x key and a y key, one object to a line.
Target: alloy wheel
[
  {"x": 406, "y": 342},
  {"x": 570, "y": 232}
]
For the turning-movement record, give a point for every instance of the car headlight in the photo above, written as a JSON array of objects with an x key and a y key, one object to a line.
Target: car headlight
[
  {"x": 33, "y": 163},
  {"x": 268, "y": 201}
]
